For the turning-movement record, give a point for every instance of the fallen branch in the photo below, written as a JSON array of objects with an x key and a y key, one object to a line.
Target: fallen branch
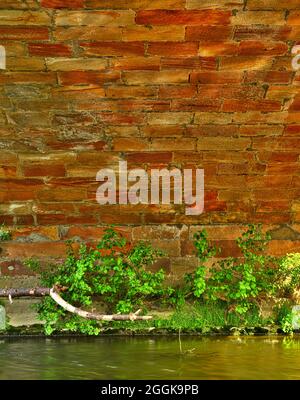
[
  {"x": 53, "y": 292},
  {"x": 35, "y": 292}
]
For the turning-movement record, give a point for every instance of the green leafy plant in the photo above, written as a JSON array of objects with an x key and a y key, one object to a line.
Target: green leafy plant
[
  {"x": 5, "y": 234},
  {"x": 113, "y": 271},
  {"x": 284, "y": 317},
  {"x": 242, "y": 283}
]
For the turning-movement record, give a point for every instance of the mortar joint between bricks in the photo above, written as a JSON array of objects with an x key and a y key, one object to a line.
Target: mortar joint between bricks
[{"x": 287, "y": 13}]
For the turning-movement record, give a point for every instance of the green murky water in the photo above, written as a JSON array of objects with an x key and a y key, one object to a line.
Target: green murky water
[{"x": 150, "y": 358}]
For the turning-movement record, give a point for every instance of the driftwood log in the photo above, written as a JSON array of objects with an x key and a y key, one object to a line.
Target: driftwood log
[{"x": 54, "y": 293}]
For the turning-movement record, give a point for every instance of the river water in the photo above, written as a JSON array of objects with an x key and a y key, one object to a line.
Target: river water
[{"x": 150, "y": 358}]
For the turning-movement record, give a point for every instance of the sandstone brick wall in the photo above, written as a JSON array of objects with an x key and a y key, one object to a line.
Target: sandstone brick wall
[{"x": 185, "y": 83}]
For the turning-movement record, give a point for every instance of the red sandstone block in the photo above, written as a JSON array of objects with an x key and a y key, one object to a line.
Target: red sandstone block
[
  {"x": 173, "y": 144},
  {"x": 178, "y": 17},
  {"x": 43, "y": 170},
  {"x": 241, "y": 92},
  {"x": 244, "y": 63},
  {"x": 14, "y": 268},
  {"x": 181, "y": 49},
  {"x": 255, "y": 47},
  {"x": 282, "y": 157},
  {"x": 292, "y": 130},
  {"x": 214, "y": 49},
  {"x": 216, "y": 77},
  {"x": 136, "y": 4},
  {"x": 283, "y": 168},
  {"x": 49, "y": 49},
  {"x": 27, "y": 78},
  {"x": 181, "y": 92},
  {"x": 26, "y": 250},
  {"x": 15, "y": 33},
  {"x": 49, "y": 233},
  {"x": 113, "y": 48},
  {"x": 272, "y": 4},
  {"x": 62, "y": 219},
  {"x": 87, "y": 77},
  {"x": 295, "y": 106},
  {"x": 130, "y": 144},
  {"x": 136, "y": 63},
  {"x": 162, "y": 130},
  {"x": 62, "y": 3},
  {"x": 151, "y": 157},
  {"x": 213, "y": 130},
  {"x": 121, "y": 118},
  {"x": 200, "y": 63},
  {"x": 195, "y": 105},
  {"x": 263, "y": 32},
  {"x": 262, "y": 105},
  {"x": 294, "y": 18},
  {"x": 62, "y": 194},
  {"x": 268, "y": 76},
  {"x": 123, "y": 91},
  {"x": 208, "y": 33}
]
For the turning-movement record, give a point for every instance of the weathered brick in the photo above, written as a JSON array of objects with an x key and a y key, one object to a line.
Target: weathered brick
[
  {"x": 215, "y": 143},
  {"x": 28, "y": 78},
  {"x": 136, "y": 63},
  {"x": 151, "y": 157},
  {"x": 130, "y": 144},
  {"x": 206, "y": 4},
  {"x": 25, "y": 64},
  {"x": 252, "y": 48},
  {"x": 16, "y": 17},
  {"x": 18, "y": 4},
  {"x": 262, "y": 105},
  {"x": 79, "y": 64},
  {"x": 243, "y": 63},
  {"x": 184, "y": 49},
  {"x": 212, "y": 118},
  {"x": 269, "y": 77},
  {"x": 216, "y": 77},
  {"x": 62, "y": 3},
  {"x": 258, "y": 18},
  {"x": 94, "y": 18},
  {"x": 162, "y": 130},
  {"x": 20, "y": 33},
  {"x": 121, "y": 118},
  {"x": 186, "y": 17},
  {"x": 26, "y": 250},
  {"x": 87, "y": 77},
  {"x": 135, "y": 4},
  {"x": 123, "y": 91},
  {"x": 169, "y": 118},
  {"x": 200, "y": 63},
  {"x": 126, "y": 105},
  {"x": 195, "y": 105},
  {"x": 49, "y": 49},
  {"x": 156, "y": 33},
  {"x": 272, "y": 4},
  {"x": 209, "y": 33},
  {"x": 173, "y": 144},
  {"x": 263, "y": 32},
  {"x": 88, "y": 33},
  {"x": 212, "y": 49},
  {"x": 113, "y": 49},
  {"x": 152, "y": 78},
  {"x": 183, "y": 91}
]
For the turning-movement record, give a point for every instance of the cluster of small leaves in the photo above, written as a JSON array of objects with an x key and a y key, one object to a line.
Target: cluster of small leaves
[
  {"x": 240, "y": 282},
  {"x": 5, "y": 234},
  {"x": 114, "y": 272}
]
